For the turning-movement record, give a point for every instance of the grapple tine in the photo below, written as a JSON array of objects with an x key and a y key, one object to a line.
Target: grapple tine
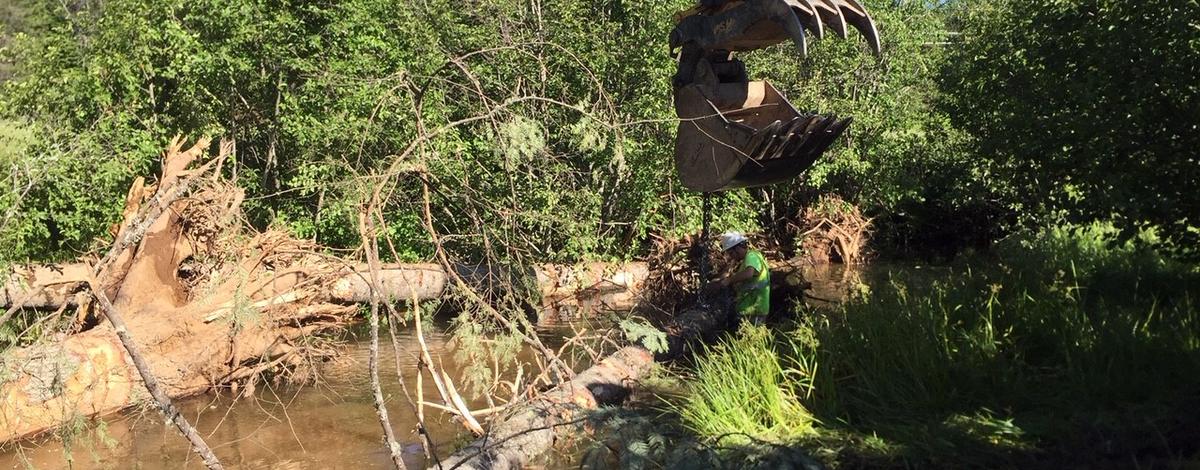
[
  {"x": 831, "y": 15},
  {"x": 858, "y": 17},
  {"x": 791, "y": 25},
  {"x": 806, "y": 12}
]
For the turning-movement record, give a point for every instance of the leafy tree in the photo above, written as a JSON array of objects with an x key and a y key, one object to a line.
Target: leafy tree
[
  {"x": 1083, "y": 109},
  {"x": 904, "y": 160}
]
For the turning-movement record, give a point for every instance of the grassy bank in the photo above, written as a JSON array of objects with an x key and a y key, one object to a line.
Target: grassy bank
[{"x": 1064, "y": 348}]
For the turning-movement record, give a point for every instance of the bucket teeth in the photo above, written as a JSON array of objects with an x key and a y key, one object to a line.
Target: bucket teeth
[
  {"x": 724, "y": 150},
  {"x": 762, "y": 138}
]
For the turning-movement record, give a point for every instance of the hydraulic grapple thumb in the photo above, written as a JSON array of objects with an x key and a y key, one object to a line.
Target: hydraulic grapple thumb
[{"x": 736, "y": 133}]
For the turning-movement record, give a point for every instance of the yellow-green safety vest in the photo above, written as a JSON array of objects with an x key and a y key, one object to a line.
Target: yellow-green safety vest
[{"x": 754, "y": 295}]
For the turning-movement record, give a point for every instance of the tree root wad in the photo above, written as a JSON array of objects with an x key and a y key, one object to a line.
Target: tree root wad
[
  {"x": 209, "y": 302},
  {"x": 206, "y": 302}
]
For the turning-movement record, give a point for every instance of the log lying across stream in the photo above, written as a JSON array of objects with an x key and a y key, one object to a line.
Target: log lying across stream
[
  {"x": 204, "y": 344},
  {"x": 595, "y": 286},
  {"x": 521, "y": 436},
  {"x": 209, "y": 301}
]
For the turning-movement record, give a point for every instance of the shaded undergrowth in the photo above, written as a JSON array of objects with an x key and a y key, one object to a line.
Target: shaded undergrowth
[{"x": 1067, "y": 349}]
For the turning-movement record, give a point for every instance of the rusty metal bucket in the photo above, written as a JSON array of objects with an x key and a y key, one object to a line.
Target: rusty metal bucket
[{"x": 741, "y": 135}]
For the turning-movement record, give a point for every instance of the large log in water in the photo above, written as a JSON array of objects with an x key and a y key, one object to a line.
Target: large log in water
[
  {"x": 521, "y": 436},
  {"x": 210, "y": 342},
  {"x": 605, "y": 286},
  {"x": 205, "y": 302},
  {"x": 533, "y": 429}
]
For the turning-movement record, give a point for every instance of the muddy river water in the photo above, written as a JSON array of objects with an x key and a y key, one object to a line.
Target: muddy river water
[{"x": 331, "y": 424}]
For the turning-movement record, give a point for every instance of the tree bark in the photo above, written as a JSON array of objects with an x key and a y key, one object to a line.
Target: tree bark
[
  {"x": 587, "y": 286},
  {"x": 200, "y": 346},
  {"x": 532, "y": 429}
]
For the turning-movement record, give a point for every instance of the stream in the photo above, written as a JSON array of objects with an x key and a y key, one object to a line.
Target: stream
[{"x": 330, "y": 424}]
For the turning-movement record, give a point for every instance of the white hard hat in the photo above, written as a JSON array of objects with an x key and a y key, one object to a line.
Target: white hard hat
[{"x": 731, "y": 239}]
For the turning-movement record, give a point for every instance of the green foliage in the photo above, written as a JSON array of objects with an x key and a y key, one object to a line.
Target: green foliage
[
  {"x": 315, "y": 95},
  {"x": 1083, "y": 109},
  {"x": 985, "y": 363},
  {"x": 977, "y": 115},
  {"x": 903, "y": 160},
  {"x": 1009, "y": 360},
  {"x": 638, "y": 330},
  {"x": 482, "y": 357},
  {"x": 15, "y": 141}
]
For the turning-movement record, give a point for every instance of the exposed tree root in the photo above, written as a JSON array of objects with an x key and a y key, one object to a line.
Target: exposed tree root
[
  {"x": 834, "y": 231},
  {"x": 211, "y": 303},
  {"x": 205, "y": 303}
]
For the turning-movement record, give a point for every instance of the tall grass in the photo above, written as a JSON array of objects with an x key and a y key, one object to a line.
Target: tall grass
[
  {"x": 1059, "y": 337},
  {"x": 740, "y": 388}
]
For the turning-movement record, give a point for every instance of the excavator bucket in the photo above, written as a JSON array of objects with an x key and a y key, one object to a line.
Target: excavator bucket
[
  {"x": 736, "y": 133},
  {"x": 747, "y": 135}
]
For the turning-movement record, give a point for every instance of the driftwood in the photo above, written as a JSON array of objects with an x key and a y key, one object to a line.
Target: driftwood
[
  {"x": 209, "y": 303},
  {"x": 203, "y": 345}
]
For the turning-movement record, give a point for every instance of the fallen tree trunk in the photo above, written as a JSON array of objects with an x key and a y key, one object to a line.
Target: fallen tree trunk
[
  {"x": 43, "y": 287},
  {"x": 587, "y": 286},
  {"x": 207, "y": 303},
  {"x": 215, "y": 342},
  {"x": 519, "y": 437},
  {"x": 250, "y": 304},
  {"x": 522, "y": 435}
]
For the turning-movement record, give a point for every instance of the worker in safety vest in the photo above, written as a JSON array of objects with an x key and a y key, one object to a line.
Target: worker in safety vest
[{"x": 751, "y": 280}]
